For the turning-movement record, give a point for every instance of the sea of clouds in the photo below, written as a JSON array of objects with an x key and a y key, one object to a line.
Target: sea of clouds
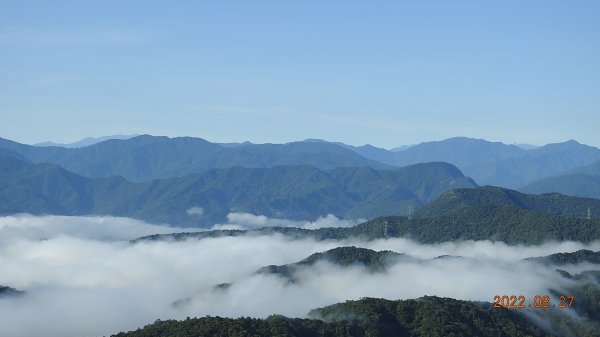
[{"x": 83, "y": 277}]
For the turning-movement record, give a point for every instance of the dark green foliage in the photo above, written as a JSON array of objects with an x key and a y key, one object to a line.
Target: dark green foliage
[
  {"x": 427, "y": 317},
  {"x": 292, "y": 192},
  {"x": 8, "y": 291},
  {"x": 346, "y": 256},
  {"x": 557, "y": 204},
  {"x": 499, "y": 223},
  {"x": 586, "y": 303},
  {"x": 561, "y": 259},
  {"x": 373, "y": 261}
]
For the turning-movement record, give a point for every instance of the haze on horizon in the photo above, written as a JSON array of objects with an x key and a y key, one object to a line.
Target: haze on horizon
[{"x": 393, "y": 74}]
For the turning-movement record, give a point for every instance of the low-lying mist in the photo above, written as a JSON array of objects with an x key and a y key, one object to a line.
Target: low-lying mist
[{"x": 82, "y": 277}]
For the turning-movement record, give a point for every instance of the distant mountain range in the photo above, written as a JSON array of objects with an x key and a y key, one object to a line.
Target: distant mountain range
[
  {"x": 569, "y": 168},
  {"x": 144, "y": 158},
  {"x": 290, "y": 192},
  {"x": 488, "y": 163},
  {"x": 492, "y": 163},
  {"x": 583, "y": 181}
]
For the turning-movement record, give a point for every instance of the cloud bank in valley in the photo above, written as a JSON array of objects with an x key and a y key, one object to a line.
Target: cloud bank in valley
[
  {"x": 25, "y": 226},
  {"x": 84, "y": 282},
  {"x": 252, "y": 221}
]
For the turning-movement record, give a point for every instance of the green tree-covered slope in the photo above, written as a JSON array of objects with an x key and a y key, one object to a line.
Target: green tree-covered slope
[
  {"x": 428, "y": 316},
  {"x": 373, "y": 261},
  {"x": 498, "y": 223},
  {"x": 553, "y": 203},
  {"x": 292, "y": 192}
]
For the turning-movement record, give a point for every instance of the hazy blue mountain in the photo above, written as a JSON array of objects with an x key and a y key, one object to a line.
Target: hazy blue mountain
[
  {"x": 145, "y": 157},
  {"x": 547, "y": 161},
  {"x": 492, "y": 163},
  {"x": 12, "y": 154},
  {"x": 582, "y": 182},
  {"x": 577, "y": 184},
  {"x": 402, "y": 148},
  {"x": 591, "y": 169},
  {"x": 527, "y": 146},
  {"x": 292, "y": 192},
  {"x": 489, "y": 163},
  {"x": 375, "y": 153},
  {"x": 86, "y": 141},
  {"x": 463, "y": 151},
  {"x": 367, "y": 151}
]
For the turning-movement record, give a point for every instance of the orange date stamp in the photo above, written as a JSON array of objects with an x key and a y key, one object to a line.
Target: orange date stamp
[{"x": 539, "y": 302}]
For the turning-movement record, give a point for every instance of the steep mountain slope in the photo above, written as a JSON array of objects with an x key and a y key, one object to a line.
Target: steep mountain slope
[
  {"x": 146, "y": 157},
  {"x": 292, "y": 192}
]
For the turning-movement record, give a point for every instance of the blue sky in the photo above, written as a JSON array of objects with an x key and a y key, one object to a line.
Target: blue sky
[{"x": 386, "y": 73}]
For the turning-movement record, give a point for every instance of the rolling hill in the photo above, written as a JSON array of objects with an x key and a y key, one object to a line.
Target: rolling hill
[{"x": 373, "y": 261}]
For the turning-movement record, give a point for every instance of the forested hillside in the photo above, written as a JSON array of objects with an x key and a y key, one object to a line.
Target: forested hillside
[{"x": 427, "y": 317}]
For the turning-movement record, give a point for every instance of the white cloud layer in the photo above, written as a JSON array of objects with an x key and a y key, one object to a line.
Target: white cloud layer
[
  {"x": 195, "y": 211},
  {"x": 251, "y": 221},
  {"x": 80, "y": 284},
  {"x": 25, "y": 226}
]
